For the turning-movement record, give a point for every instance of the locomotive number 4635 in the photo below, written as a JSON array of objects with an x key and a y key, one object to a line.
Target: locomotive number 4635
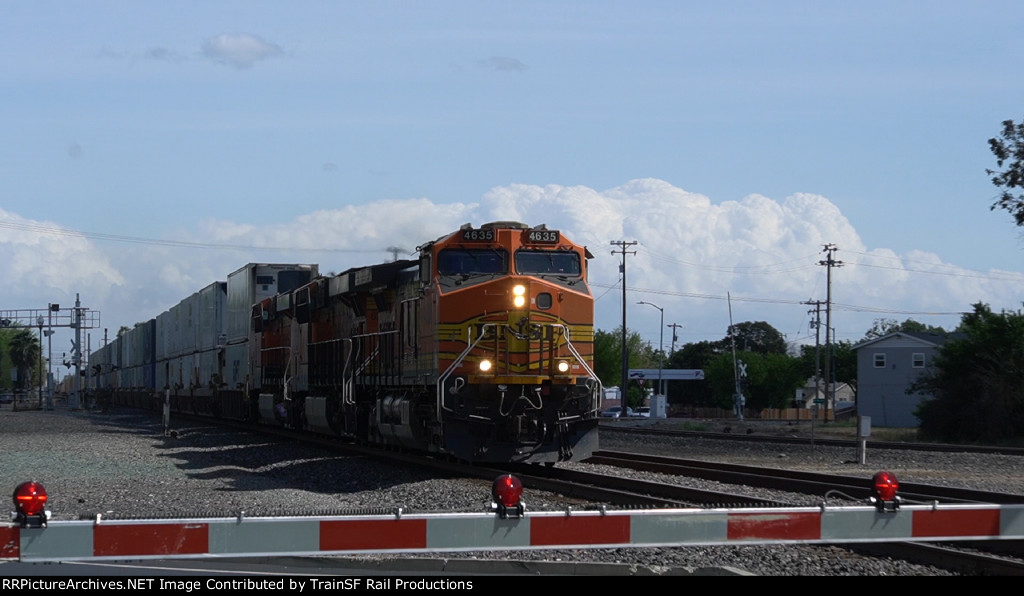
[{"x": 542, "y": 236}]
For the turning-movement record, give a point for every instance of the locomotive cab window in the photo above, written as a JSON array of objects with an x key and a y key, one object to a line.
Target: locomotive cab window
[
  {"x": 472, "y": 261},
  {"x": 540, "y": 262}
]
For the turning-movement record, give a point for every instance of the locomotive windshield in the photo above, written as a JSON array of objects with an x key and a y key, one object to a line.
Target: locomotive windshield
[
  {"x": 540, "y": 262},
  {"x": 471, "y": 261}
]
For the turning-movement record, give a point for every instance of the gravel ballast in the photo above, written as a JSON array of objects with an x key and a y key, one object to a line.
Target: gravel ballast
[{"x": 120, "y": 464}]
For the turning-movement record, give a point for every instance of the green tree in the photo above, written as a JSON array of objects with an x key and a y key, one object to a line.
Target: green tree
[
  {"x": 976, "y": 383},
  {"x": 883, "y": 327},
  {"x": 608, "y": 360},
  {"x": 771, "y": 379},
  {"x": 1008, "y": 149},
  {"x": 608, "y": 357},
  {"x": 695, "y": 355},
  {"x": 759, "y": 337},
  {"x": 844, "y": 362},
  {"x": 23, "y": 350}
]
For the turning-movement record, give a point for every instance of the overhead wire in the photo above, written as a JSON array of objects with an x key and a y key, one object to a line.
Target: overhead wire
[
  {"x": 55, "y": 231},
  {"x": 784, "y": 267}
]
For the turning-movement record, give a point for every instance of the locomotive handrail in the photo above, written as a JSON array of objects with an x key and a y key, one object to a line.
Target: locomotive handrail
[
  {"x": 455, "y": 363},
  {"x": 375, "y": 353},
  {"x": 273, "y": 349},
  {"x": 348, "y": 382},
  {"x": 470, "y": 345},
  {"x": 285, "y": 379},
  {"x": 590, "y": 372}
]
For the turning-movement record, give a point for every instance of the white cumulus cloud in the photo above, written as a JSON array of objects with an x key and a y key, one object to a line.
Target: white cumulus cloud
[{"x": 687, "y": 254}]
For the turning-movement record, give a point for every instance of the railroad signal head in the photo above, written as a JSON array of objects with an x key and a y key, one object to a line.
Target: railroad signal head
[
  {"x": 507, "y": 492},
  {"x": 30, "y": 504},
  {"x": 885, "y": 486}
]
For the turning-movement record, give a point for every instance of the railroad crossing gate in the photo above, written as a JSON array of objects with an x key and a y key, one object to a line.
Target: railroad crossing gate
[{"x": 32, "y": 537}]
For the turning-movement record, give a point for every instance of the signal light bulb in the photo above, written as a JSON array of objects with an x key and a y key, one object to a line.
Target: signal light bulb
[
  {"x": 30, "y": 498},
  {"x": 886, "y": 486},
  {"x": 507, "y": 490}
]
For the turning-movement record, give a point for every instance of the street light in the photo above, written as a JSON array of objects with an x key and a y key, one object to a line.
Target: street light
[{"x": 661, "y": 345}]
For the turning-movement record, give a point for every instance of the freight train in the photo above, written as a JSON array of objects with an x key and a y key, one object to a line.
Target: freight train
[{"x": 481, "y": 349}]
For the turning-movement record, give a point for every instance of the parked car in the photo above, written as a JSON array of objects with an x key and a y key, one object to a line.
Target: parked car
[
  {"x": 643, "y": 412},
  {"x": 616, "y": 412}
]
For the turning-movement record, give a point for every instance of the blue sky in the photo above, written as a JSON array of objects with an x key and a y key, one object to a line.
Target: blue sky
[{"x": 152, "y": 148}]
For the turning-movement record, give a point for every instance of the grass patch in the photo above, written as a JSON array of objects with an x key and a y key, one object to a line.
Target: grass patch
[{"x": 694, "y": 426}]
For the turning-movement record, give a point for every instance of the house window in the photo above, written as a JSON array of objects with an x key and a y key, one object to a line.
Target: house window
[
  {"x": 880, "y": 360},
  {"x": 917, "y": 360}
]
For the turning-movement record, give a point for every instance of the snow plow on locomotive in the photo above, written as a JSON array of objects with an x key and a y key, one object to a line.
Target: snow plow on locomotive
[{"x": 481, "y": 349}]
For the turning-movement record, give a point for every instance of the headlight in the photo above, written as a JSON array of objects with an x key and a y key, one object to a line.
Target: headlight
[
  {"x": 519, "y": 296},
  {"x": 485, "y": 365},
  {"x": 563, "y": 366}
]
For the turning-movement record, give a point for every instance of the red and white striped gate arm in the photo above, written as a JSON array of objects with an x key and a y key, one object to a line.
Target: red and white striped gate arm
[{"x": 454, "y": 532}]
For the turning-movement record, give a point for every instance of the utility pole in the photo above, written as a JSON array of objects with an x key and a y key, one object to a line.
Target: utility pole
[
  {"x": 675, "y": 329},
  {"x": 829, "y": 263},
  {"x": 816, "y": 323},
  {"x": 625, "y": 355}
]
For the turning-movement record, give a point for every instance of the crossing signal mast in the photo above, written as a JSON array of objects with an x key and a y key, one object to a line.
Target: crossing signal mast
[
  {"x": 77, "y": 318},
  {"x": 739, "y": 369}
]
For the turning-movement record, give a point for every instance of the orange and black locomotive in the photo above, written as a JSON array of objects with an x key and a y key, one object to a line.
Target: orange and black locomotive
[{"x": 482, "y": 349}]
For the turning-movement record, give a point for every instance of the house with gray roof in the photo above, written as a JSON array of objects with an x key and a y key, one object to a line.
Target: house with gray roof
[{"x": 886, "y": 368}]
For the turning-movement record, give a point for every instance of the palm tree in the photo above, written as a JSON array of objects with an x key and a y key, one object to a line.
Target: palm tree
[{"x": 23, "y": 350}]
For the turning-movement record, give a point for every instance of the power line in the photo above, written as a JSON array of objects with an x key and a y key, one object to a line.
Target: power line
[
  {"x": 53, "y": 231},
  {"x": 979, "y": 275},
  {"x": 788, "y": 267},
  {"x": 836, "y": 305}
]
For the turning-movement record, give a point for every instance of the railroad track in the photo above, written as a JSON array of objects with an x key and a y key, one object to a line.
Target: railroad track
[
  {"x": 811, "y": 441},
  {"x": 1006, "y": 558},
  {"x": 853, "y": 487},
  {"x": 585, "y": 489}
]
